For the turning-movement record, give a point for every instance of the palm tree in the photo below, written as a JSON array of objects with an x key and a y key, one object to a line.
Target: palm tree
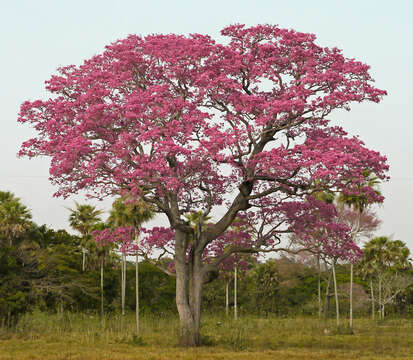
[
  {"x": 7, "y": 196},
  {"x": 327, "y": 197},
  {"x": 382, "y": 255},
  {"x": 102, "y": 250},
  {"x": 83, "y": 219},
  {"x": 127, "y": 211},
  {"x": 15, "y": 218},
  {"x": 119, "y": 216},
  {"x": 359, "y": 203}
]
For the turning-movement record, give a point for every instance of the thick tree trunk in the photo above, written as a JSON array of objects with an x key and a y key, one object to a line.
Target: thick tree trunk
[
  {"x": 195, "y": 303},
  {"x": 189, "y": 281},
  {"x": 235, "y": 293},
  {"x": 227, "y": 298},
  {"x": 372, "y": 300},
  {"x": 188, "y": 302},
  {"x": 336, "y": 296}
]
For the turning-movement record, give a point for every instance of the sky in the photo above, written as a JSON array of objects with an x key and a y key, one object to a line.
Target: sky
[{"x": 39, "y": 36}]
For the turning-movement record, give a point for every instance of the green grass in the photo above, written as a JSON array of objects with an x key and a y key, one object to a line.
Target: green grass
[{"x": 81, "y": 336}]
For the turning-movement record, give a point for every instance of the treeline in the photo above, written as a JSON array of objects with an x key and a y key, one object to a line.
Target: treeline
[
  {"x": 54, "y": 271},
  {"x": 286, "y": 287},
  {"x": 42, "y": 269}
]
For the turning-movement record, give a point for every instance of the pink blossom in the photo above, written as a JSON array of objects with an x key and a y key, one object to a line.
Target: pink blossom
[{"x": 191, "y": 125}]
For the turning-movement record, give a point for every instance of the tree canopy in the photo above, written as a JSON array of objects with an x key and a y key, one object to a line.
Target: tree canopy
[{"x": 191, "y": 125}]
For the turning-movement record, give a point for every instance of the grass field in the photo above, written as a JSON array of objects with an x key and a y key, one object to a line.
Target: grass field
[{"x": 79, "y": 336}]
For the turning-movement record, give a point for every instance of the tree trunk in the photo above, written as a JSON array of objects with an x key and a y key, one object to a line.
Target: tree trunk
[
  {"x": 138, "y": 330},
  {"x": 372, "y": 299},
  {"x": 137, "y": 294},
  {"x": 83, "y": 258},
  {"x": 235, "y": 293},
  {"x": 319, "y": 287},
  {"x": 195, "y": 304},
  {"x": 351, "y": 298},
  {"x": 227, "y": 298},
  {"x": 189, "y": 281},
  {"x": 380, "y": 305},
  {"x": 123, "y": 286},
  {"x": 336, "y": 296},
  {"x": 101, "y": 289},
  {"x": 326, "y": 302},
  {"x": 188, "y": 302},
  {"x": 356, "y": 230}
]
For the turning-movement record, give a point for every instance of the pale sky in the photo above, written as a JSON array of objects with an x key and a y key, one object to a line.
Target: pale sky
[{"x": 40, "y": 35}]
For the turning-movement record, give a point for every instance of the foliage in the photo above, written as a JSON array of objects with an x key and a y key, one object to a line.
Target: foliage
[
  {"x": 387, "y": 265},
  {"x": 381, "y": 254},
  {"x": 16, "y": 258},
  {"x": 14, "y": 217},
  {"x": 156, "y": 290},
  {"x": 84, "y": 218},
  {"x": 14, "y": 288}
]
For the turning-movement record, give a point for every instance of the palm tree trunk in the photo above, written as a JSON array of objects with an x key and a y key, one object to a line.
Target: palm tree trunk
[
  {"x": 372, "y": 299},
  {"x": 235, "y": 293},
  {"x": 356, "y": 230},
  {"x": 123, "y": 283},
  {"x": 83, "y": 258},
  {"x": 137, "y": 286},
  {"x": 319, "y": 286},
  {"x": 101, "y": 290},
  {"x": 336, "y": 296},
  {"x": 351, "y": 298},
  {"x": 326, "y": 301},
  {"x": 380, "y": 305},
  {"x": 227, "y": 298}
]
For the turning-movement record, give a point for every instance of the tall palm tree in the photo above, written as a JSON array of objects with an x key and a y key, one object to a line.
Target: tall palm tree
[
  {"x": 327, "y": 197},
  {"x": 127, "y": 211},
  {"x": 119, "y": 216},
  {"x": 83, "y": 219},
  {"x": 359, "y": 203},
  {"x": 102, "y": 250}
]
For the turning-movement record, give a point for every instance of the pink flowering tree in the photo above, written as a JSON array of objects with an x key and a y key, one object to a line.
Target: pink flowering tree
[{"x": 191, "y": 125}]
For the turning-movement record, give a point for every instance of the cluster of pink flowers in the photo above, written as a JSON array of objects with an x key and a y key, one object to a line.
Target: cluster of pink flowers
[
  {"x": 122, "y": 236},
  {"x": 187, "y": 122}
]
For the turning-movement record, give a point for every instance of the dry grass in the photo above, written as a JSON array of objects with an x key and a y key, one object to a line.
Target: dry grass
[{"x": 78, "y": 336}]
